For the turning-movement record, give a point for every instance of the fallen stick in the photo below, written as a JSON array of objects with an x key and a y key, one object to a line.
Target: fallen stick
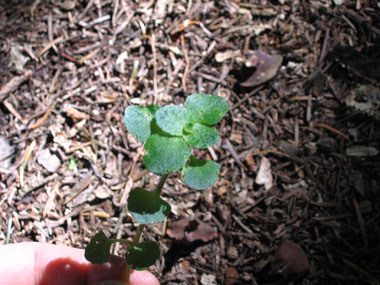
[{"x": 13, "y": 84}]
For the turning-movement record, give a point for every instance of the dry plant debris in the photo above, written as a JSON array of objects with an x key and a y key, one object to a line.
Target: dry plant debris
[
  {"x": 81, "y": 63},
  {"x": 191, "y": 230}
]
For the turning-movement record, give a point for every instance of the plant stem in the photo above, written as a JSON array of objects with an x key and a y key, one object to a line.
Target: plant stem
[
  {"x": 137, "y": 237},
  {"x": 140, "y": 228},
  {"x": 160, "y": 184},
  {"x": 128, "y": 273},
  {"x": 135, "y": 241},
  {"x": 121, "y": 240}
]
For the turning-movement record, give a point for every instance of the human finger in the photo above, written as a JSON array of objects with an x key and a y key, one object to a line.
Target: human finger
[{"x": 42, "y": 263}]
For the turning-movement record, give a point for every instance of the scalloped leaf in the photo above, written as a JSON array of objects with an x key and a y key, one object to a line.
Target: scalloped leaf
[
  {"x": 200, "y": 174},
  {"x": 205, "y": 108},
  {"x": 147, "y": 207},
  {"x": 201, "y": 136},
  {"x": 172, "y": 119},
  {"x": 142, "y": 255},
  {"x": 137, "y": 121},
  {"x": 98, "y": 250},
  {"x": 155, "y": 129},
  {"x": 165, "y": 154}
]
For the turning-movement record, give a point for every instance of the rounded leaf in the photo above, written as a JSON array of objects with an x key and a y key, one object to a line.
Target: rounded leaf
[
  {"x": 202, "y": 136},
  {"x": 172, "y": 119},
  {"x": 205, "y": 108},
  {"x": 143, "y": 255},
  {"x": 200, "y": 174},
  {"x": 147, "y": 207},
  {"x": 137, "y": 121},
  {"x": 98, "y": 250},
  {"x": 155, "y": 129},
  {"x": 165, "y": 154}
]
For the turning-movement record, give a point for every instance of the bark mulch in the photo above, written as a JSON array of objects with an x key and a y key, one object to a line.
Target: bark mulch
[{"x": 297, "y": 201}]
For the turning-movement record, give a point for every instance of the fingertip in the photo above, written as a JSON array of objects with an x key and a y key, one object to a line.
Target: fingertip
[
  {"x": 114, "y": 272},
  {"x": 143, "y": 278},
  {"x": 136, "y": 278}
]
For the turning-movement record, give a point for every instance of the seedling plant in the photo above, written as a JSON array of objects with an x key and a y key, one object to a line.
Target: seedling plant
[{"x": 169, "y": 133}]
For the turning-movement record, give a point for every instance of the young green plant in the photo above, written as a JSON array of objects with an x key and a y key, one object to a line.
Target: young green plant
[{"x": 169, "y": 134}]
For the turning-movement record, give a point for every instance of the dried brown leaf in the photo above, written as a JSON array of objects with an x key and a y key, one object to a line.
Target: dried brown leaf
[
  {"x": 266, "y": 68},
  {"x": 191, "y": 230},
  {"x": 176, "y": 229},
  {"x": 232, "y": 276},
  {"x": 290, "y": 258},
  {"x": 204, "y": 232}
]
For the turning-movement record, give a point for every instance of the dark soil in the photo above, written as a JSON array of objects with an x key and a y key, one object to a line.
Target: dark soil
[{"x": 69, "y": 68}]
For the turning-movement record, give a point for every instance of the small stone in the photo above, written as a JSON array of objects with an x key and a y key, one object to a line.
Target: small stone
[
  {"x": 232, "y": 252},
  {"x": 102, "y": 192},
  {"x": 338, "y": 2},
  {"x": 50, "y": 161},
  {"x": 208, "y": 279},
  {"x": 6, "y": 153}
]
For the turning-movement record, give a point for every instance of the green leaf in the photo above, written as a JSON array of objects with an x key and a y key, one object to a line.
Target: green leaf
[
  {"x": 188, "y": 129},
  {"x": 143, "y": 255},
  {"x": 205, "y": 108},
  {"x": 72, "y": 163},
  {"x": 152, "y": 109},
  {"x": 155, "y": 129},
  {"x": 201, "y": 136},
  {"x": 147, "y": 207},
  {"x": 200, "y": 174},
  {"x": 165, "y": 154},
  {"x": 172, "y": 119},
  {"x": 98, "y": 250},
  {"x": 137, "y": 121}
]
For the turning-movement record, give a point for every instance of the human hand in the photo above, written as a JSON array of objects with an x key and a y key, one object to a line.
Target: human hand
[{"x": 46, "y": 264}]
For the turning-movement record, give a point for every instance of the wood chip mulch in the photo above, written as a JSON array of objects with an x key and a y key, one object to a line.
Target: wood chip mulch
[{"x": 298, "y": 198}]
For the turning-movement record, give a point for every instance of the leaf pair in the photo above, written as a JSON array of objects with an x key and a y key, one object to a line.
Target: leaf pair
[{"x": 140, "y": 256}]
